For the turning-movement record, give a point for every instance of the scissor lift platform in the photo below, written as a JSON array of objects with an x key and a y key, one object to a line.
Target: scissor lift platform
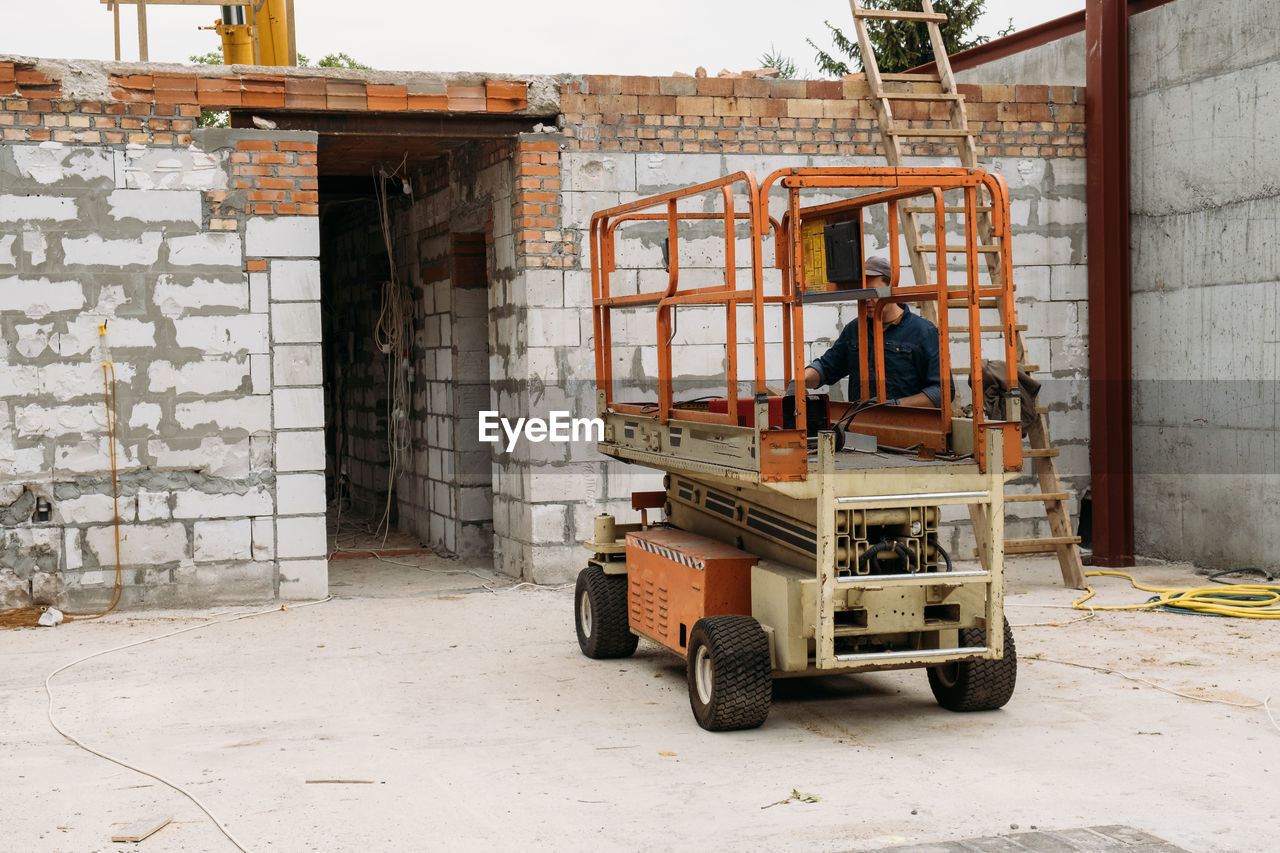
[{"x": 846, "y": 571}]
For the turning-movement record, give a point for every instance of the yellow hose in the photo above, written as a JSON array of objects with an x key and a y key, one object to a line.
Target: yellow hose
[{"x": 1244, "y": 601}]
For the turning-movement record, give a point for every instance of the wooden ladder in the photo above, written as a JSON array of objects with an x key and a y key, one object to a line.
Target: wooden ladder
[{"x": 894, "y": 132}]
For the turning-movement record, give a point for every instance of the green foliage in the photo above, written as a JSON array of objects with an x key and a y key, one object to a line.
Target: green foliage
[
  {"x": 333, "y": 60},
  {"x": 329, "y": 60},
  {"x": 210, "y": 118},
  {"x": 773, "y": 59},
  {"x": 900, "y": 45},
  {"x": 213, "y": 57}
]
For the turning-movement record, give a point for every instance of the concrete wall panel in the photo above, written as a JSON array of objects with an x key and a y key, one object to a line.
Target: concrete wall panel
[{"x": 1205, "y": 197}]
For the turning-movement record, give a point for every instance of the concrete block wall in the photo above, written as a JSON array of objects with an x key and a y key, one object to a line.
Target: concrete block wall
[
  {"x": 156, "y": 259},
  {"x": 627, "y": 137},
  {"x": 448, "y": 497},
  {"x": 353, "y": 267},
  {"x": 1204, "y": 202}
]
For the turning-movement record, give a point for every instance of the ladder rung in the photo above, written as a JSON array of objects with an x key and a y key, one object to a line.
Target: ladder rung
[
  {"x": 951, "y": 208},
  {"x": 1045, "y": 496},
  {"x": 1039, "y": 452},
  {"x": 1037, "y": 546},
  {"x": 911, "y": 78},
  {"x": 962, "y": 250},
  {"x": 964, "y": 303},
  {"x": 1029, "y": 368},
  {"x": 928, "y": 131},
  {"x": 895, "y": 15},
  {"x": 921, "y": 96}
]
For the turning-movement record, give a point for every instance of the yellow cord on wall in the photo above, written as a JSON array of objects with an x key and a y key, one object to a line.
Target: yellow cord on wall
[
  {"x": 24, "y": 617},
  {"x": 1244, "y": 601}
]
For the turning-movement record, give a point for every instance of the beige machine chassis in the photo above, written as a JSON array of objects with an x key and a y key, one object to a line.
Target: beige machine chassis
[{"x": 836, "y": 619}]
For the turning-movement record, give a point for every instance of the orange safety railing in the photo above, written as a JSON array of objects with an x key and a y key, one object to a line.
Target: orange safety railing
[
  {"x": 902, "y": 184},
  {"x": 603, "y": 227},
  {"x": 886, "y": 186}
]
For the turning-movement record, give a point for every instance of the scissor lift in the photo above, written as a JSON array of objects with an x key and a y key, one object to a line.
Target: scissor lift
[{"x": 801, "y": 533}]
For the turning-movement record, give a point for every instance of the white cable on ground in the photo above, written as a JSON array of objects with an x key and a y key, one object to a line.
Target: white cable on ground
[
  {"x": 1264, "y": 704},
  {"x": 485, "y": 582},
  {"x": 213, "y": 620}
]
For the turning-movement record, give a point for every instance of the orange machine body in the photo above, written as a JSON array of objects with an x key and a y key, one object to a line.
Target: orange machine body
[{"x": 676, "y": 577}]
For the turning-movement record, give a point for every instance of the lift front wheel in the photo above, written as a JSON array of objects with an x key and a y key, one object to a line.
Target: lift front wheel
[
  {"x": 600, "y": 613},
  {"x": 730, "y": 675},
  {"x": 976, "y": 685}
]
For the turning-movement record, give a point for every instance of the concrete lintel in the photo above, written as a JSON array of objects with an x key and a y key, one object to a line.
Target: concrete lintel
[{"x": 213, "y": 138}]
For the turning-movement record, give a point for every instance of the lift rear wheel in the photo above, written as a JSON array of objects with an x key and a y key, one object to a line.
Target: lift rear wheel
[
  {"x": 600, "y": 614},
  {"x": 976, "y": 685},
  {"x": 730, "y": 675}
]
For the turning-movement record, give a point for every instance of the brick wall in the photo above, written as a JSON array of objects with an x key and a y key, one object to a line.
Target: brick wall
[
  {"x": 540, "y": 242},
  {"x": 278, "y": 177},
  {"x": 797, "y": 117},
  {"x": 216, "y": 88}
]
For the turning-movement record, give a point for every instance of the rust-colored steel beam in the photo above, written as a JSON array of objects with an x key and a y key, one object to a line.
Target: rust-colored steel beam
[
  {"x": 1110, "y": 387},
  {"x": 1022, "y": 40}
]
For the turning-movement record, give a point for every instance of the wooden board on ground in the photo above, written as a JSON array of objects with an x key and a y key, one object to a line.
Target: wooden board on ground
[{"x": 141, "y": 829}]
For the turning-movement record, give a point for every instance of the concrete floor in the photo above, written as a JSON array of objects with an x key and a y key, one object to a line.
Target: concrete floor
[{"x": 480, "y": 726}]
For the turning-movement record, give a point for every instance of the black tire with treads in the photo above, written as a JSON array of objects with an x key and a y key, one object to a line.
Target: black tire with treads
[
  {"x": 730, "y": 675},
  {"x": 976, "y": 685},
  {"x": 600, "y": 615}
]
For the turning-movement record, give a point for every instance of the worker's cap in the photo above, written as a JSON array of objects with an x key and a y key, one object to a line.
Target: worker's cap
[{"x": 877, "y": 266}]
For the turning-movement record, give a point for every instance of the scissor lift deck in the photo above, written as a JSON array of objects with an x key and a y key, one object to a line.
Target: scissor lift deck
[{"x": 849, "y": 574}]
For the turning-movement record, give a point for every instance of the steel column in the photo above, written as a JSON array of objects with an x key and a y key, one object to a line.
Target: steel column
[{"x": 1110, "y": 392}]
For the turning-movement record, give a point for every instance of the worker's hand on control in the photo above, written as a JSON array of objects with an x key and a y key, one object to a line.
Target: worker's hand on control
[{"x": 811, "y": 380}]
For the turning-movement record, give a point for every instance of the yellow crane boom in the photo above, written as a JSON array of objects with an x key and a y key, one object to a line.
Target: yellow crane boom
[{"x": 254, "y": 32}]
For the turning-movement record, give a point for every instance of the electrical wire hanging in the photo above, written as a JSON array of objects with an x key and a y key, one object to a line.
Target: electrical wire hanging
[{"x": 392, "y": 336}]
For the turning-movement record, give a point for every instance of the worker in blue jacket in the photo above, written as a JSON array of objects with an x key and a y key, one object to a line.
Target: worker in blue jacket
[{"x": 911, "y": 371}]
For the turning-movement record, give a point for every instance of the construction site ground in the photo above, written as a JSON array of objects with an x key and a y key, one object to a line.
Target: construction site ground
[{"x": 432, "y": 705}]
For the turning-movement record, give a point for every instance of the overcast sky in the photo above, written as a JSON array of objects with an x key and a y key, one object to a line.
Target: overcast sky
[{"x": 510, "y": 36}]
